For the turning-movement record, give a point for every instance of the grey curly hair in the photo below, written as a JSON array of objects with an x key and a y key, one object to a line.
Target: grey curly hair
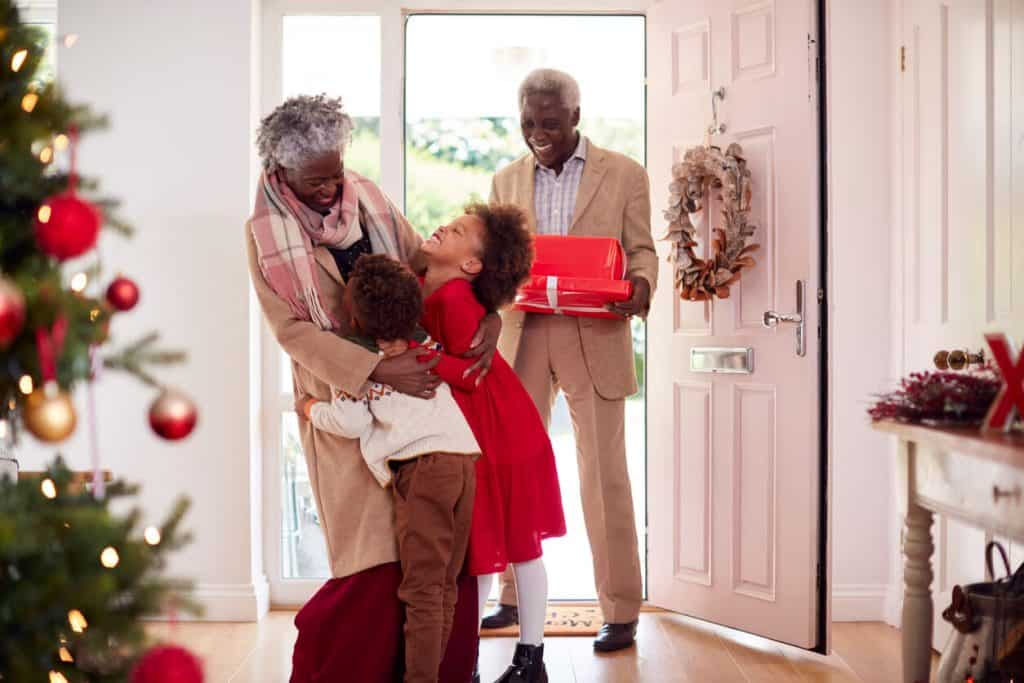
[
  {"x": 301, "y": 128},
  {"x": 550, "y": 82}
]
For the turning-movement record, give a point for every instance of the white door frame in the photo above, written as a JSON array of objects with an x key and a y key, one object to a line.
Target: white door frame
[{"x": 274, "y": 398}]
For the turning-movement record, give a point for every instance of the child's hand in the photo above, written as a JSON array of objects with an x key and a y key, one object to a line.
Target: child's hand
[
  {"x": 303, "y": 404},
  {"x": 484, "y": 346},
  {"x": 307, "y": 408}
]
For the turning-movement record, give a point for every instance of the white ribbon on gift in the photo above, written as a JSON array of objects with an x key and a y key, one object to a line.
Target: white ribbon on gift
[
  {"x": 531, "y": 305},
  {"x": 552, "y": 292}
]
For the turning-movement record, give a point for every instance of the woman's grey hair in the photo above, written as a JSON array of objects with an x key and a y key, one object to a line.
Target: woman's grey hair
[
  {"x": 550, "y": 82},
  {"x": 302, "y": 128}
]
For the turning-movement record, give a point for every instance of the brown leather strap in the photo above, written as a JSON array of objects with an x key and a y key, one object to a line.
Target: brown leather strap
[{"x": 988, "y": 559}]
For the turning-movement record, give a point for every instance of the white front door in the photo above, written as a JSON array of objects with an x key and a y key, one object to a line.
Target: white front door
[
  {"x": 963, "y": 209},
  {"x": 734, "y": 464}
]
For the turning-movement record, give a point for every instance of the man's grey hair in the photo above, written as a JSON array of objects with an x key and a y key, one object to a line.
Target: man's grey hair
[
  {"x": 301, "y": 129},
  {"x": 550, "y": 82}
]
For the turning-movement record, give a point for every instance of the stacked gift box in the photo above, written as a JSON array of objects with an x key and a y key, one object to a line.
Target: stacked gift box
[{"x": 575, "y": 275}]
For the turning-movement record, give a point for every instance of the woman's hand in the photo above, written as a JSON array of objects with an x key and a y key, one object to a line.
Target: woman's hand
[
  {"x": 409, "y": 373},
  {"x": 637, "y": 304},
  {"x": 484, "y": 346}
]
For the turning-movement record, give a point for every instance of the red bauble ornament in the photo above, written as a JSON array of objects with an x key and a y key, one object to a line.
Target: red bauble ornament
[
  {"x": 168, "y": 664},
  {"x": 173, "y": 415},
  {"x": 66, "y": 226},
  {"x": 123, "y": 294},
  {"x": 12, "y": 312}
]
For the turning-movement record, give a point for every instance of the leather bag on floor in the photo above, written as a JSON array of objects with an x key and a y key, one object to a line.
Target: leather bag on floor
[{"x": 987, "y": 643}]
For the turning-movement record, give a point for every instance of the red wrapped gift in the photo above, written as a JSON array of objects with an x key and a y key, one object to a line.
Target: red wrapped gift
[{"x": 575, "y": 276}]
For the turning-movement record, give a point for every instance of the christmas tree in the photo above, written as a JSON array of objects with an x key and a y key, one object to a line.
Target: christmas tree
[
  {"x": 75, "y": 577},
  {"x": 52, "y": 330},
  {"x": 75, "y": 580}
]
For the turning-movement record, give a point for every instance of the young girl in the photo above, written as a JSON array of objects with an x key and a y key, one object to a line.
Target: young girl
[{"x": 474, "y": 266}]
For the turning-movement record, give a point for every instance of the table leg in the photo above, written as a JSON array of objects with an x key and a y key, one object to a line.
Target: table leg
[{"x": 917, "y": 595}]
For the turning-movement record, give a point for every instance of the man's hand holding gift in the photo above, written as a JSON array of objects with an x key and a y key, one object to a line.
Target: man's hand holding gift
[{"x": 637, "y": 304}]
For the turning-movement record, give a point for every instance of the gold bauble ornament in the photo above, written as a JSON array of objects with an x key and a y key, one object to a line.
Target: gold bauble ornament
[{"x": 49, "y": 414}]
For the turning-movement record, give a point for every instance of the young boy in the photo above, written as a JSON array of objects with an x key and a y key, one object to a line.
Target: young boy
[{"x": 422, "y": 447}]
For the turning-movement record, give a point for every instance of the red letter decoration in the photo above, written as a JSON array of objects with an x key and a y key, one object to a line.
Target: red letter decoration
[{"x": 1009, "y": 402}]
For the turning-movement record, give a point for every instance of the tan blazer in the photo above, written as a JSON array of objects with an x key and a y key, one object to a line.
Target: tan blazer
[
  {"x": 355, "y": 512},
  {"x": 614, "y": 200}
]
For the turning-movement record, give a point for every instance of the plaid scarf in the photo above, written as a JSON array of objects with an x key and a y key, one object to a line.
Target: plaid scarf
[{"x": 286, "y": 231}]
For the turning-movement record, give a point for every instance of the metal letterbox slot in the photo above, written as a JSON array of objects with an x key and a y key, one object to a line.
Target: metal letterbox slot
[{"x": 720, "y": 359}]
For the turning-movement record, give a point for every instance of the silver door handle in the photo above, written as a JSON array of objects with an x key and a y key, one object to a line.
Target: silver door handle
[{"x": 772, "y": 319}]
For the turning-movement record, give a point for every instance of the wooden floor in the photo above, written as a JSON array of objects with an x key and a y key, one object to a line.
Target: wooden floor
[{"x": 671, "y": 648}]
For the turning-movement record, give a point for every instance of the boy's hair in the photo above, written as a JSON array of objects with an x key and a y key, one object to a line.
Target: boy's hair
[
  {"x": 386, "y": 297},
  {"x": 507, "y": 253}
]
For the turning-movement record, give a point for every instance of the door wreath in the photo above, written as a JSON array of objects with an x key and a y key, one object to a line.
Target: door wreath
[{"x": 702, "y": 170}]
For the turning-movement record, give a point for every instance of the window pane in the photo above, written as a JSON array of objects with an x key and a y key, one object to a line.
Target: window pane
[
  {"x": 304, "y": 551},
  {"x": 340, "y": 56},
  {"x": 462, "y": 117},
  {"x": 286, "y": 373},
  {"x": 462, "y": 125}
]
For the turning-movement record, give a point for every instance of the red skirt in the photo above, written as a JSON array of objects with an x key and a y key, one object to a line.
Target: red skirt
[
  {"x": 351, "y": 630},
  {"x": 518, "y": 502}
]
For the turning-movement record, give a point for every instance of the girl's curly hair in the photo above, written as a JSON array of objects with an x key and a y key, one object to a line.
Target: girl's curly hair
[
  {"x": 507, "y": 253},
  {"x": 386, "y": 297}
]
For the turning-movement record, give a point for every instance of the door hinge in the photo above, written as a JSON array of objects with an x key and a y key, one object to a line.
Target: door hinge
[
  {"x": 814, "y": 64},
  {"x": 820, "y": 578},
  {"x": 903, "y": 58},
  {"x": 821, "y": 295}
]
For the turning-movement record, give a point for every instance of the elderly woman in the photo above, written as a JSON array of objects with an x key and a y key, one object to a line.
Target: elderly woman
[{"x": 312, "y": 220}]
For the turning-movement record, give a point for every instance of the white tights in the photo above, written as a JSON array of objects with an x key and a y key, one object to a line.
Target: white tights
[{"x": 532, "y": 592}]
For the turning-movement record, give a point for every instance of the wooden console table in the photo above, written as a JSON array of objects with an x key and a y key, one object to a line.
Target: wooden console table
[{"x": 959, "y": 473}]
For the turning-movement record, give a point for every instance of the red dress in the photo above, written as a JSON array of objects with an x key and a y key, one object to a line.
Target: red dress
[{"x": 518, "y": 503}]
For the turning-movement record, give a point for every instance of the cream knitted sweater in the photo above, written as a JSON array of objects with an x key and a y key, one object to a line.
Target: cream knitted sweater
[{"x": 394, "y": 426}]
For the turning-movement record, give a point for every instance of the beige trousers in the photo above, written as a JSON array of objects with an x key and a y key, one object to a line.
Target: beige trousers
[{"x": 550, "y": 357}]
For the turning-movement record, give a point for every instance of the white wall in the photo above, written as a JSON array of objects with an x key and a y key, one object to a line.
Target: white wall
[
  {"x": 861, "y": 66},
  {"x": 175, "y": 80}
]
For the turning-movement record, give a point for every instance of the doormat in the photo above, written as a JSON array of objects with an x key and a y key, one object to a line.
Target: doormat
[{"x": 570, "y": 619}]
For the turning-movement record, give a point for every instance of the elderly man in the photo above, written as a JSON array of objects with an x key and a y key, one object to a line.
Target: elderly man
[{"x": 569, "y": 186}]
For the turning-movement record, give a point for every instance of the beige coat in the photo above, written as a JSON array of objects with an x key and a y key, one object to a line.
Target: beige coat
[
  {"x": 356, "y": 514},
  {"x": 614, "y": 200}
]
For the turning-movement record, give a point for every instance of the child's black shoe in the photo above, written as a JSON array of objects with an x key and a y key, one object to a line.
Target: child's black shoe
[{"x": 527, "y": 666}]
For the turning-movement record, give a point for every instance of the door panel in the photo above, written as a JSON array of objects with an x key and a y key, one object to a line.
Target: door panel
[{"x": 733, "y": 459}]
